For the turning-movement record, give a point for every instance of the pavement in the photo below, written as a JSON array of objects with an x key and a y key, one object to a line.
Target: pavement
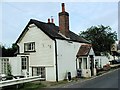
[{"x": 80, "y": 80}]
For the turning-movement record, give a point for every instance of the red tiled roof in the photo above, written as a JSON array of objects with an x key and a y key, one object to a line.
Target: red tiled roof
[{"x": 84, "y": 50}]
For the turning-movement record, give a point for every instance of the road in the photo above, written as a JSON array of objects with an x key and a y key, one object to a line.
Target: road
[{"x": 109, "y": 80}]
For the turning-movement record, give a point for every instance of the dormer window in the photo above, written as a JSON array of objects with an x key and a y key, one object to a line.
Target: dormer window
[{"x": 29, "y": 46}]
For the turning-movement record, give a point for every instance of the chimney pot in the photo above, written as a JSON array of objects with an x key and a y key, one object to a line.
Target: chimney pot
[
  {"x": 52, "y": 20},
  {"x": 63, "y": 7},
  {"x": 48, "y": 20}
]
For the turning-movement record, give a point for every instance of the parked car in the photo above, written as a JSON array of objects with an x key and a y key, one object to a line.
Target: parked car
[{"x": 115, "y": 61}]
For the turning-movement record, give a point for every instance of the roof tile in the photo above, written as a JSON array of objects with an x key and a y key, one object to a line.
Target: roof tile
[
  {"x": 53, "y": 31},
  {"x": 84, "y": 50}
]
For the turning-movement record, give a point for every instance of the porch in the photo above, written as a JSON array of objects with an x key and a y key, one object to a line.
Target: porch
[{"x": 86, "y": 61}]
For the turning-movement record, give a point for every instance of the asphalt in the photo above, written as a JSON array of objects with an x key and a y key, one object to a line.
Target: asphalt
[{"x": 106, "y": 80}]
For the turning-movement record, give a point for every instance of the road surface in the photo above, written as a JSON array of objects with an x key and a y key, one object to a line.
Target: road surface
[{"x": 109, "y": 80}]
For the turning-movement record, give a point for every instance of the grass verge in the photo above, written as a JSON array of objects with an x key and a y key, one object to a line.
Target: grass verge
[{"x": 25, "y": 86}]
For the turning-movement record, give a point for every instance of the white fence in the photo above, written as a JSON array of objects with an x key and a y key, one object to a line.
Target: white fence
[{"x": 19, "y": 81}]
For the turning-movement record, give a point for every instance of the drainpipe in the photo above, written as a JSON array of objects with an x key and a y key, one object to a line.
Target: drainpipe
[
  {"x": 56, "y": 61},
  {"x": 76, "y": 64}
]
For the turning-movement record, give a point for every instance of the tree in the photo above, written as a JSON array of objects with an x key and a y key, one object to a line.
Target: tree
[
  {"x": 101, "y": 38},
  {"x": 9, "y": 52},
  {"x": 9, "y": 71},
  {"x": 0, "y": 50}
]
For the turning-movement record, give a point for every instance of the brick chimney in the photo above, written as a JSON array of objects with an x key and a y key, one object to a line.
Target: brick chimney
[{"x": 64, "y": 22}]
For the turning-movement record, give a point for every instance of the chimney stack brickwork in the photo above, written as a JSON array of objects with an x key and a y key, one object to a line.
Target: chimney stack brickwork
[{"x": 64, "y": 22}]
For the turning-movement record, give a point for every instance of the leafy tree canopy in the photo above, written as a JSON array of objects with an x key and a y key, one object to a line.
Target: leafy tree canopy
[
  {"x": 8, "y": 52},
  {"x": 101, "y": 38}
]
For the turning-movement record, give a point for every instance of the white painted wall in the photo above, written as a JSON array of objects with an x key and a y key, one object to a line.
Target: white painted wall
[
  {"x": 102, "y": 60},
  {"x": 86, "y": 73},
  {"x": 50, "y": 74},
  {"x": 66, "y": 56},
  {"x": 45, "y": 50},
  {"x": 92, "y": 52},
  {"x": 15, "y": 63},
  {"x": 44, "y": 54}
]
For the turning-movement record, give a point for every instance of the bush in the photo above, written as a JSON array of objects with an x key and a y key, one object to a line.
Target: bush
[
  {"x": 9, "y": 77},
  {"x": 106, "y": 67}
]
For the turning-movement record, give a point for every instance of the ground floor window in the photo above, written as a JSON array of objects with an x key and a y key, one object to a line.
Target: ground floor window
[
  {"x": 96, "y": 63},
  {"x": 5, "y": 65},
  {"x": 36, "y": 71}
]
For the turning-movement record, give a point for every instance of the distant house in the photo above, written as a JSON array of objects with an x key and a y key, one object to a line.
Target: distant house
[
  {"x": 52, "y": 51},
  {"x": 118, "y": 46},
  {"x": 115, "y": 49}
]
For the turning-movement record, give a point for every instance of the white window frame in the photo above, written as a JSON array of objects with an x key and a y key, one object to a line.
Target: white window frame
[
  {"x": 97, "y": 63},
  {"x": 24, "y": 62},
  {"x": 5, "y": 63},
  {"x": 29, "y": 46},
  {"x": 38, "y": 71}
]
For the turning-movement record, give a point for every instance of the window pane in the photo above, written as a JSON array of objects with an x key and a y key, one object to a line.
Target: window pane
[
  {"x": 4, "y": 63},
  {"x": 80, "y": 62},
  {"x": 85, "y": 63},
  {"x": 29, "y": 46},
  {"x": 24, "y": 62},
  {"x": 39, "y": 71}
]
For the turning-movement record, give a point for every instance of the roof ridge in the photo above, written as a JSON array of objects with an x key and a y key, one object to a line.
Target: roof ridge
[{"x": 52, "y": 31}]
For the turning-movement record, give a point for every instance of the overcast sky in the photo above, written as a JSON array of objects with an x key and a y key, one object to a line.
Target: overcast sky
[{"x": 82, "y": 15}]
